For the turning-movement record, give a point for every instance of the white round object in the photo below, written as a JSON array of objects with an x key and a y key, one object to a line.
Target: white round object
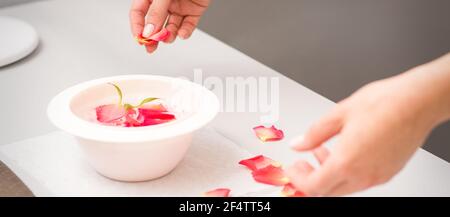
[
  {"x": 17, "y": 40},
  {"x": 137, "y": 153}
]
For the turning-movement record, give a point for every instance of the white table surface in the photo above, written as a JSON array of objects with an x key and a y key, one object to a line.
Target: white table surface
[{"x": 84, "y": 39}]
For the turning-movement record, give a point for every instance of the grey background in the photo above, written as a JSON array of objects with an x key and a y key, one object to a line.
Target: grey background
[
  {"x": 4, "y": 3},
  {"x": 335, "y": 46}
]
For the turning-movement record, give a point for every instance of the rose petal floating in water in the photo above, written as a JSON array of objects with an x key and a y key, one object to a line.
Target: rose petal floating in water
[
  {"x": 151, "y": 114},
  {"x": 270, "y": 175},
  {"x": 132, "y": 119},
  {"x": 266, "y": 134},
  {"x": 149, "y": 122},
  {"x": 152, "y": 117},
  {"x": 219, "y": 192},
  {"x": 259, "y": 162},
  {"x": 154, "y": 107},
  {"x": 290, "y": 191},
  {"x": 109, "y": 113}
]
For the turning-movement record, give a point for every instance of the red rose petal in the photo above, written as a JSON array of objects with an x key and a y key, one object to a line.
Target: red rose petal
[
  {"x": 109, "y": 113},
  {"x": 150, "y": 117},
  {"x": 290, "y": 191},
  {"x": 258, "y": 162},
  {"x": 270, "y": 175},
  {"x": 160, "y": 116},
  {"x": 132, "y": 119},
  {"x": 219, "y": 192},
  {"x": 143, "y": 41},
  {"x": 161, "y": 35},
  {"x": 266, "y": 134},
  {"x": 151, "y": 114}
]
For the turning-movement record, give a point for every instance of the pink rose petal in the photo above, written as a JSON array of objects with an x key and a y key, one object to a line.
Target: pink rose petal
[
  {"x": 149, "y": 122},
  {"x": 132, "y": 119},
  {"x": 161, "y": 35},
  {"x": 109, "y": 113},
  {"x": 266, "y": 134},
  {"x": 151, "y": 114},
  {"x": 154, "y": 116},
  {"x": 270, "y": 175},
  {"x": 259, "y": 162}
]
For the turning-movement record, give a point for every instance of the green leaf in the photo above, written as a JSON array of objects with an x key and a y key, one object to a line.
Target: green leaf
[
  {"x": 146, "y": 100},
  {"x": 128, "y": 106},
  {"x": 118, "y": 92}
]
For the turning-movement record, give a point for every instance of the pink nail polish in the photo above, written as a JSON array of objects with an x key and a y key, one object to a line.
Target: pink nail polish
[{"x": 148, "y": 30}]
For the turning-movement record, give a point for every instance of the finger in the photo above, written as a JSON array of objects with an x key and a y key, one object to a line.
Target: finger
[
  {"x": 355, "y": 180},
  {"x": 327, "y": 127},
  {"x": 303, "y": 167},
  {"x": 321, "y": 154},
  {"x": 138, "y": 11},
  {"x": 152, "y": 47},
  {"x": 343, "y": 189},
  {"x": 173, "y": 24},
  {"x": 156, "y": 17},
  {"x": 317, "y": 182},
  {"x": 188, "y": 26},
  {"x": 299, "y": 171}
]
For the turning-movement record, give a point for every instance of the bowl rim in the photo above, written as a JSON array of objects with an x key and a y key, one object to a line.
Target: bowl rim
[{"x": 61, "y": 115}]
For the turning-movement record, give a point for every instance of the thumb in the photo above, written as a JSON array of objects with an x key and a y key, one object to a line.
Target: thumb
[
  {"x": 327, "y": 127},
  {"x": 156, "y": 16}
]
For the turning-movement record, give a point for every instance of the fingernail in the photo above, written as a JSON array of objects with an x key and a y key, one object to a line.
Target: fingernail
[
  {"x": 297, "y": 141},
  {"x": 148, "y": 30},
  {"x": 182, "y": 34}
]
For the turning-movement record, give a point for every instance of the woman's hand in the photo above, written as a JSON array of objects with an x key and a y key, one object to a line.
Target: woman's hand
[
  {"x": 380, "y": 127},
  {"x": 149, "y": 16}
]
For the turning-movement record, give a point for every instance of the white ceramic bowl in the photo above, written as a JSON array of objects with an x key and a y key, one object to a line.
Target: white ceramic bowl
[{"x": 139, "y": 153}]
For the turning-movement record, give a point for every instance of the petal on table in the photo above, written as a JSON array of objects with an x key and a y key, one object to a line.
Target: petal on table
[
  {"x": 290, "y": 191},
  {"x": 219, "y": 192},
  {"x": 259, "y": 162},
  {"x": 267, "y": 134},
  {"x": 109, "y": 113},
  {"x": 270, "y": 175}
]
